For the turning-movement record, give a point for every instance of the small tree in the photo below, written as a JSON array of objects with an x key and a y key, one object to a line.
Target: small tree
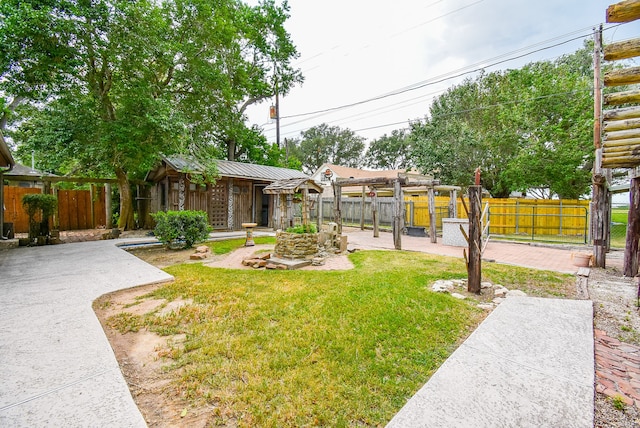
[
  {"x": 39, "y": 208},
  {"x": 181, "y": 229}
]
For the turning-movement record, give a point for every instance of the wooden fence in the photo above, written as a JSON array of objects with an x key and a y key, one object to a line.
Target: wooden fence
[
  {"x": 77, "y": 209},
  {"x": 534, "y": 218}
]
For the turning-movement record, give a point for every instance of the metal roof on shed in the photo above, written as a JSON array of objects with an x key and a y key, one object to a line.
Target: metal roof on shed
[{"x": 233, "y": 169}]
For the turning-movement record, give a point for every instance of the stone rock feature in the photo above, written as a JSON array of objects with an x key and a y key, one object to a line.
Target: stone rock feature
[
  {"x": 257, "y": 262},
  {"x": 295, "y": 245},
  {"x": 499, "y": 292},
  {"x": 202, "y": 252}
]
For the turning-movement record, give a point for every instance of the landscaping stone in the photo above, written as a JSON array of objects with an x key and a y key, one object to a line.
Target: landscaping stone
[
  {"x": 442, "y": 286},
  {"x": 203, "y": 249},
  {"x": 458, "y": 296},
  {"x": 500, "y": 292},
  {"x": 198, "y": 256},
  {"x": 516, "y": 293}
]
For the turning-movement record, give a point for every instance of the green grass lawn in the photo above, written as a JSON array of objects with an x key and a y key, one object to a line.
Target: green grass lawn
[
  {"x": 618, "y": 233},
  {"x": 320, "y": 348}
]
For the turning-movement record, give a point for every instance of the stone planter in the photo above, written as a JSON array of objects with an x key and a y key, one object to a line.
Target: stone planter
[
  {"x": 451, "y": 234},
  {"x": 296, "y": 245}
]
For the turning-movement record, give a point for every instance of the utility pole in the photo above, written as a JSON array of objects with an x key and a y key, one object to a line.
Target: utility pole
[{"x": 277, "y": 114}]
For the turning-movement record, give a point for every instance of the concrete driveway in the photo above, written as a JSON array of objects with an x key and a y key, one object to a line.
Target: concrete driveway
[{"x": 58, "y": 368}]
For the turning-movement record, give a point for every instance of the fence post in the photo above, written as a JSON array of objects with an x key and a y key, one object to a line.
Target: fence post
[
  {"x": 432, "y": 216},
  {"x": 374, "y": 214},
  {"x": 398, "y": 215}
]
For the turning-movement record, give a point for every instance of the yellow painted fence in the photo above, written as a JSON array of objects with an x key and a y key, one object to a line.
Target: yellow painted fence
[{"x": 512, "y": 217}]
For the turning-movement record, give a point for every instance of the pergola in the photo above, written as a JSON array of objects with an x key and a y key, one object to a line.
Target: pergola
[{"x": 397, "y": 184}]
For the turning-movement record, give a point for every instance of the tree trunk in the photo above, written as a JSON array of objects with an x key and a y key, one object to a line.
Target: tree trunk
[
  {"x": 126, "y": 221},
  {"x": 474, "y": 266},
  {"x": 231, "y": 150}
]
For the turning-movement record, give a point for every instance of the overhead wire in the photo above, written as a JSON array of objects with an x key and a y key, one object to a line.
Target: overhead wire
[{"x": 437, "y": 79}]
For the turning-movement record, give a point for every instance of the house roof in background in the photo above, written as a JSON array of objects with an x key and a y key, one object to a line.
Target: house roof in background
[
  {"x": 25, "y": 171},
  {"x": 346, "y": 172},
  {"x": 230, "y": 169},
  {"x": 6, "y": 160}
]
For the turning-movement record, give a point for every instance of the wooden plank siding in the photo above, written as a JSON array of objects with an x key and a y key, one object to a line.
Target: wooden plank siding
[
  {"x": 14, "y": 213},
  {"x": 74, "y": 209}
]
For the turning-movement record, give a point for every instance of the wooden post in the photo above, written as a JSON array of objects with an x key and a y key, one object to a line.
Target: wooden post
[
  {"x": 107, "y": 205},
  {"x": 92, "y": 197},
  {"x": 362, "y": 209},
  {"x": 630, "y": 267},
  {"x": 453, "y": 204},
  {"x": 599, "y": 198},
  {"x": 305, "y": 207},
  {"x": 432, "y": 216},
  {"x": 474, "y": 266},
  {"x": 320, "y": 213},
  {"x": 337, "y": 206},
  {"x": 2, "y": 204},
  {"x": 374, "y": 214},
  {"x": 398, "y": 215}
]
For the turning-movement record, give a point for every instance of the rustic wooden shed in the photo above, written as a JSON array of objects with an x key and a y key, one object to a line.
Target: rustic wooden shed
[{"x": 236, "y": 197}]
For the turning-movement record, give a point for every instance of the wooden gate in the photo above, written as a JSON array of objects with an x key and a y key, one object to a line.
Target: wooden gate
[
  {"x": 77, "y": 209},
  {"x": 14, "y": 213}
]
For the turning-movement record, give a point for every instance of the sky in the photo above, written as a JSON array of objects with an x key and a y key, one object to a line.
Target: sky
[{"x": 354, "y": 50}]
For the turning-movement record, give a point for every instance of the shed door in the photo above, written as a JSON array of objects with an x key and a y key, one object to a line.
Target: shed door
[{"x": 241, "y": 204}]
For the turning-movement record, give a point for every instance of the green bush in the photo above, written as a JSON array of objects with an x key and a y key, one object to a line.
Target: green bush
[
  {"x": 303, "y": 228},
  {"x": 181, "y": 229},
  {"x": 39, "y": 204}
]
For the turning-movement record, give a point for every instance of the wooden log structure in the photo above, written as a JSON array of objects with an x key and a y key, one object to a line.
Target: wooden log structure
[
  {"x": 622, "y": 50},
  {"x": 625, "y": 97},
  {"x": 474, "y": 265},
  {"x": 624, "y": 11},
  {"x": 622, "y": 135},
  {"x": 621, "y": 113},
  {"x": 631, "y": 250},
  {"x": 625, "y": 76},
  {"x": 600, "y": 224},
  {"x": 621, "y": 125}
]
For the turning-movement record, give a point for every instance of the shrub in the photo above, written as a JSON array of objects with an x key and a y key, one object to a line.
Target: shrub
[
  {"x": 303, "y": 228},
  {"x": 181, "y": 229},
  {"x": 39, "y": 204}
]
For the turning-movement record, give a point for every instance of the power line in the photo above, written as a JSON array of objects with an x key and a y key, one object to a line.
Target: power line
[{"x": 431, "y": 82}]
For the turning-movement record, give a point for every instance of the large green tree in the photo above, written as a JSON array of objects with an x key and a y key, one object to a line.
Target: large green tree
[
  {"x": 527, "y": 129},
  {"x": 328, "y": 144},
  {"x": 390, "y": 152},
  {"x": 115, "y": 83}
]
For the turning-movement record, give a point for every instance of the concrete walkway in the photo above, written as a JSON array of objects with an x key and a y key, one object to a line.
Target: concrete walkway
[
  {"x": 529, "y": 364},
  {"x": 57, "y": 367}
]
